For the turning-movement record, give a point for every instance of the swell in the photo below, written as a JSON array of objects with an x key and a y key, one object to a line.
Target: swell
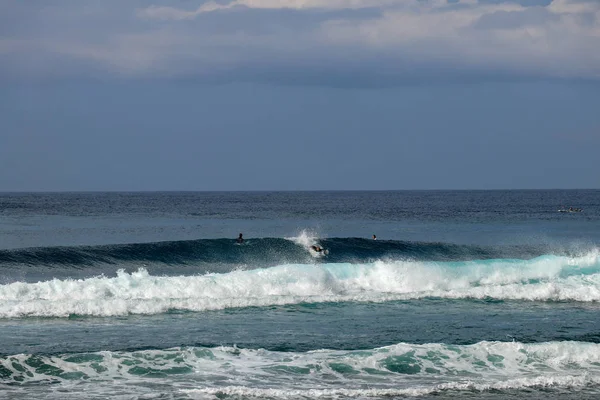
[{"x": 261, "y": 251}]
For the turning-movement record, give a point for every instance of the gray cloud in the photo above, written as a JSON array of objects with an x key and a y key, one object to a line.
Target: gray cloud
[
  {"x": 524, "y": 3},
  {"x": 534, "y": 16},
  {"x": 302, "y": 40}
]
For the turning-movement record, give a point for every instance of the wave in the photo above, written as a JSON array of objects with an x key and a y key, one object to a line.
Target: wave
[
  {"x": 397, "y": 370},
  {"x": 546, "y": 278},
  {"x": 260, "y": 251}
]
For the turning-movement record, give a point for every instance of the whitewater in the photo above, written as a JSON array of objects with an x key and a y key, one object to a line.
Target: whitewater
[
  {"x": 545, "y": 278},
  {"x": 148, "y": 295},
  {"x": 326, "y": 373}
]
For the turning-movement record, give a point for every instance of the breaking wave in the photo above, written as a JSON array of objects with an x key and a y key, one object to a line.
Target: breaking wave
[
  {"x": 545, "y": 278},
  {"x": 398, "y": 370}
]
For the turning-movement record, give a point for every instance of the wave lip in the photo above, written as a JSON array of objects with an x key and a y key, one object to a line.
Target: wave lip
[
  {"x": 397, "y": 370},
  {"x": 547, "y": 278}
]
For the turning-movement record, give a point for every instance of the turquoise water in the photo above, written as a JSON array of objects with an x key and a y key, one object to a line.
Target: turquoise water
[{"x": 147, "y": 295}]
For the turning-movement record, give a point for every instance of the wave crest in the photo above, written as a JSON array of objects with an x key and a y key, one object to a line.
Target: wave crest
[{"x": 546, "y": 278}]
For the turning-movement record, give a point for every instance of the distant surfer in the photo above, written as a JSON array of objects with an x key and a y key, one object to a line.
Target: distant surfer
[
  {"x": 316, "y": 248},
  {"x": 240, "y": 239},
  {"x": 374, "y": 237}
]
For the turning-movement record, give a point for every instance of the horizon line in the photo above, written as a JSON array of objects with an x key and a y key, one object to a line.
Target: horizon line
[{"x": 281, "y": 190}]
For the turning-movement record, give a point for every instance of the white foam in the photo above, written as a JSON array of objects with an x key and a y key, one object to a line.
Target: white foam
[
  {"x": 307, "y": 239},
  {"x": 434, "y": 368},
  {"x": 545, "y": 278},
  {"x": 571, "y": 382},
  {"x": 401, "y": 369}
]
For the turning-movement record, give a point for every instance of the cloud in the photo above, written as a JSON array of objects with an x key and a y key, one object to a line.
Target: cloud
[
  {"x": 534, "y": 16},
  {"x": 303, "y": 40},
  {"x": 164, "y": 12},
  {"x": 157, "y": 12}
]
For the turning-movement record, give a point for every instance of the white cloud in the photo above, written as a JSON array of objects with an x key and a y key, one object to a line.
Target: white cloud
[
  {"x": 162, "y": 12},
  {"x": 573, "y": 6},
  {"x": 562, "y": 45},
  {"x": 348, "y": 36},
  {"x": 157, "y": 12},
  {"x": 166, "y": 13}
]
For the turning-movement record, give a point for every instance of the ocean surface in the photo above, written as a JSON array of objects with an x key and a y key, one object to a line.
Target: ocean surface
[{"x": 464, "y": 294}]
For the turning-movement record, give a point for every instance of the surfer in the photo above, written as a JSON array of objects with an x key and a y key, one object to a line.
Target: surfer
[
  {"x": 240, "y": 239},
  {"x": 316, "y": 248},
  {"x": 374, "y": 237}
]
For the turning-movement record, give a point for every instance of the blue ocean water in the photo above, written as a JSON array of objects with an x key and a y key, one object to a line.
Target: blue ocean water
[{"x": 464, "y": 294}]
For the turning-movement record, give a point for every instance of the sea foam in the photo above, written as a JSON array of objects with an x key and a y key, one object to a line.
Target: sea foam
[
  {"x": 546, "y": 278},
  {"x": 400, "y": 369}
]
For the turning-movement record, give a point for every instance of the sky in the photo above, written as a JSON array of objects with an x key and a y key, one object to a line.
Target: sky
[{"x": 299, "y": 94}]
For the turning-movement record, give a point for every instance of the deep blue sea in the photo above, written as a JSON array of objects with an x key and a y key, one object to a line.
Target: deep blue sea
[{"x": 464, "y": 294}]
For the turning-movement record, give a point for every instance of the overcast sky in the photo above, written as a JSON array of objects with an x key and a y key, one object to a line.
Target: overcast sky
[{"x": 299, "y": 94}]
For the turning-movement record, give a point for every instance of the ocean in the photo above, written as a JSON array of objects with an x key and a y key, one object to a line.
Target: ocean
[{"x": 464, "y": 294}]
